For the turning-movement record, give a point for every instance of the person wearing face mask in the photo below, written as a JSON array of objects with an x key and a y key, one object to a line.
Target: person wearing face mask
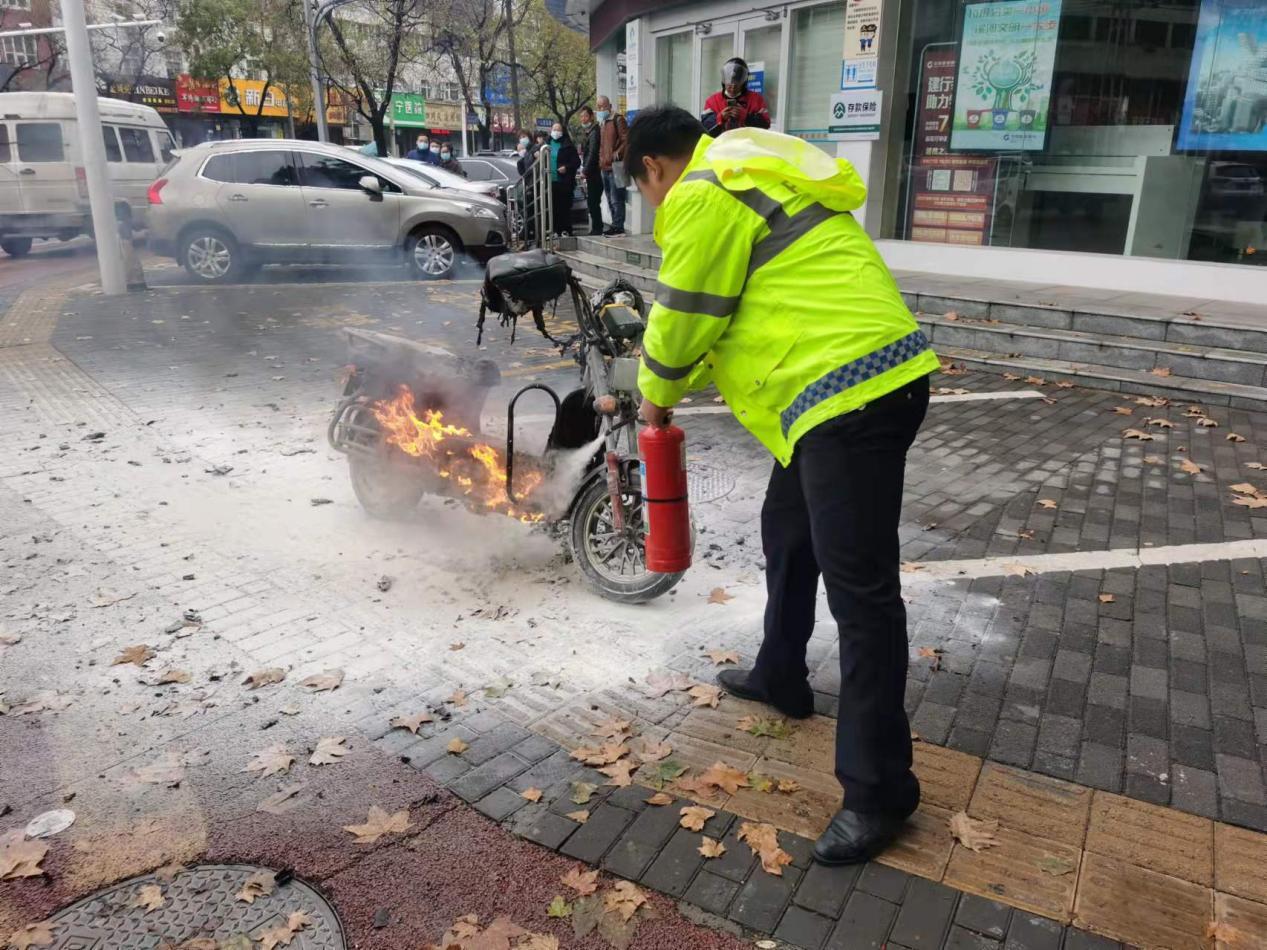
[
  {"x": 565, "y": 162},
  {"x": 424, "y": 151},
  {"x": 613, "y": 136},
  {"x": 526, "y": 155},
  {"x": 770, "y": 288},
  {"x": 591, "y": 168},
  {"x": 448, "y": 161},
  {"x": 735, "y": 107}
]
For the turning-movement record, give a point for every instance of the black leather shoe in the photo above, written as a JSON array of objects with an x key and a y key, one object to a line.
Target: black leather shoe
[
  {"x": 854, "y": 837},
  {"x": 736, "y": 683}
]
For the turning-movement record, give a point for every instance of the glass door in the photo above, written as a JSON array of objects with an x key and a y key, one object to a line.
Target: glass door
[
  {"x": 763, "y": 51},
  {"x": 714, "y": 50},
  {"x": 673, "y": 70}
]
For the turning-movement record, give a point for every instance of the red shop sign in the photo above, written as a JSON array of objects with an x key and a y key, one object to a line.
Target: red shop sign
[{"x": 197, "y": 95}]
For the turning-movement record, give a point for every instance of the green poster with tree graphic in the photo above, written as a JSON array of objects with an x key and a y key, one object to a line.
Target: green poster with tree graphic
[{"x": 1007, "y": 52}]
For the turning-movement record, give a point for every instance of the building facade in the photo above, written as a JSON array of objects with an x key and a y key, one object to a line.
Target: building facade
[{"x": 1119, "y": 144}]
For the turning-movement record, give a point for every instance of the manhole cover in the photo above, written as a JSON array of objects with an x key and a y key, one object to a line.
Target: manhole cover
[
  {"x": 199, "y": 902},
  {"x": 705, "y": 483}
]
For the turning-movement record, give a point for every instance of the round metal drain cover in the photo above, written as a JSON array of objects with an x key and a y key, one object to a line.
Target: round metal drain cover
[
  {"x": 199, "y": 902},
  {"x": 706, "y": 483}
]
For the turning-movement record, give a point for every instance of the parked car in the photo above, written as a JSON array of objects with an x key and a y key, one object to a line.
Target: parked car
[
  {"x": 43, "y": 191},
  {"x": 504, "y": 172},
  {"x": 443, "y": 178},
  {"x": 224, "y": 208}
]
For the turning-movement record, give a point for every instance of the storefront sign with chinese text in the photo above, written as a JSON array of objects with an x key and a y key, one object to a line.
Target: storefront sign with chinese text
[
  {"x": 249, "y": 97},
  {"x": 1003, "y": 90},
  {"x": 408, "y": 109},
  {"x": 152, "y": 91},
  {"x": 952, "y": 199},
  {"x": 862, "y": 44},
  {"x": 197, "y": 95},
  {"x": 855, "y": 115},
  {"x": 935, "y": 100}
]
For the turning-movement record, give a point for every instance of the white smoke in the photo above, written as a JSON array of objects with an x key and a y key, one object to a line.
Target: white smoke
[{"x": 566, "y": 471}]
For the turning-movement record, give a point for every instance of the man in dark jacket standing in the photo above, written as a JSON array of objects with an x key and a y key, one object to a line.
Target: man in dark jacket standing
[
  {"x": 613, "y": 138},
  {"x": 591, "y": 169}
]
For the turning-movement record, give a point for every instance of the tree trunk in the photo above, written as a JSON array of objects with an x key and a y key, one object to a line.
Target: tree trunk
[{"x": 380, "y": 133}]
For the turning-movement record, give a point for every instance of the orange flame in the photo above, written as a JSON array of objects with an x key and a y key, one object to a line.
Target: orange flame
[{"x": 426, "y": 437}]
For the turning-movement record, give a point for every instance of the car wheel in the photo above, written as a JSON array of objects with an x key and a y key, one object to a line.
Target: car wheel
[
  {"x": 432, "y": 252},
  {"x": 16, "y": 246},
  {"x": 211, "y": 256}
]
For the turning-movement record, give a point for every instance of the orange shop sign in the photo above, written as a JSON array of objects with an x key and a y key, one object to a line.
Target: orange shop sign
[{"x": 243, "y": 97}]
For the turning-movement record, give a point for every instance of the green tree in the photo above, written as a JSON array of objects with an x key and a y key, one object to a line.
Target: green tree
[
  {"x": 236, "y": 40},
  {"x": 557, "y": 64}
]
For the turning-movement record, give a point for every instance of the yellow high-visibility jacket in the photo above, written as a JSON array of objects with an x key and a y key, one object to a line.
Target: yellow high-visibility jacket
[{"x": 770, "y": 288}]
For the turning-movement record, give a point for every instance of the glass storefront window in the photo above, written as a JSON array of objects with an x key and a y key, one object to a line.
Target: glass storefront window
[
  {"x": 813, "y": 58},
  {"x": 673, "y": 70},
  {"x": 761, "y": 45},
  {"x": 1127, "y": 127}
]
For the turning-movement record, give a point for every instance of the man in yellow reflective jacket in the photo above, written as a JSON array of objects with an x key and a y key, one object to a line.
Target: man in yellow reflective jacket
[{"x": 771, "y": 290}]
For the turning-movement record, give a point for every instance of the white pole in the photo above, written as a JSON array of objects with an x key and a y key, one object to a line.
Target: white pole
[
  {"x": 104, "y": 226},
  {"x": 314, "y": 74}
]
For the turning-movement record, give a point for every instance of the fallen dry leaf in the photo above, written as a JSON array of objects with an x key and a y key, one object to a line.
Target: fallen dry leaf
[
  {"x": 558, "y": 907},
  {"x": 283, "y": 934},
  {"x": 582, "y": 792},
  {"x": 1036, "y": 380},
  {"x": 456, "y": 746},
  {"x": 763, "y": 726},
  {"x": 379, "y": 823},
  {"x": 275, "y": 804},
  {"x": 789, "y": 786},
  {"x": 653, "y": 751},
  {"x": 760, "y": 783},
  {"x": 1207, "y": 423},
  {"x": 624, "y": 899},
  {"x": 763, "y": 839},
  {"x": 580, "y": 817},
  {"x": 1189, "y": 466},
  {"x": 1159, "y": 423},
  {"x": 534, "y": 941},
  {"x": 1106, "y": 598},
  {"x": 704, "y": 695},
  {"x": 1256, "y": 466},
  {"x": 323, "y": 682},
  {"x": 1046, "y": 503},
  {"x": 265, "y": 677},
  {"x": 329, "y": 751},
  {"x": 1124, "y": 410},
  {"x": 1011, "y": 376},
  {"x": 620, "y": 774},
  {"x": 19, "y": 857},
  {"x": 457, "y": 698},
  {"x": 1055, "y": 865},
  {"x": 974, "y": 834},
  {"x": 1137, "y": 434},
  {"x": 711, "y": 848},
  {"x": 138, "y": 655},
  {"x": 1223, "y": 934},
  {"x": 660, "y": 683},
  {"x": 1234, "y": 437},
  {"x": 259, "y": 884},
  {"x": 726, "y": 777},
  {"x": 531, "y": 794},
  {"x": 722, "y": 656},
  {"x": 1152, "y": 401},
  {"x": 660, "y": 798},
  {"x": 605, "y": 754},
  {"x": 1244, "y": 488},
  {"x": 694, "y": 816},
  {"x": 149, "y": 896},
  {"x": 32, "y": 936},
  {"x": 1250, "y": 501},
  {"x": 718, "y": 595},
  {"x": 582, "y": 881},
  {"x": 412, "y": 723},
  {"x": 910, "y": 567},
  {"x": 611, "y": 728},
  {"x": 167, "y": 769},
  {"x": 172, "y": 676},
  {"x": 1161, "y": 371},
  {"x": 271, "y": 761},
  {"x": 459, "y": 645}
]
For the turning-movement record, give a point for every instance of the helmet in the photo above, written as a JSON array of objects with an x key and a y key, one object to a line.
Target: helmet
[{"x": 734, "y": 71}]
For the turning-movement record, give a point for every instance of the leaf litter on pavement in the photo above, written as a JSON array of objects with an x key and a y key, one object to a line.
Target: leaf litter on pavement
[
  {"x": 20, "y": 857},
  {"x": 763, "y": 839},
  {"x": 976, "y": 834},
  {"x": 379, "y": 823},
  {"x": 274, "y": 760},
  {"x": 329, "y": 751}
]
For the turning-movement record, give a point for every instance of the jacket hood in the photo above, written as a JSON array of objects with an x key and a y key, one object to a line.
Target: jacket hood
[{"x": 780, "y": 158}]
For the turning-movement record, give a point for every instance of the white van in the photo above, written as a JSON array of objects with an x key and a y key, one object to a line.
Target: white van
[{"x": 43, "y": 191}]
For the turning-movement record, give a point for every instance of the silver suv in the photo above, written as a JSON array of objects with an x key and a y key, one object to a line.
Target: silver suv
[{"x": 223, "y": 209}]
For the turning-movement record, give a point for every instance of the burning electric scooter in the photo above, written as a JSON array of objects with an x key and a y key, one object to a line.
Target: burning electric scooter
[{"x": 409, "y": 423}]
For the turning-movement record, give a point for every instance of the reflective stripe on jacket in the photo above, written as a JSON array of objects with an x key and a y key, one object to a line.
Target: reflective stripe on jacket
[{"x": 769, "y": 288}]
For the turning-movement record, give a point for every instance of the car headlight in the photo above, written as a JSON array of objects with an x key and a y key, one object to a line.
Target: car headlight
[{"x": 479, "y": 211}]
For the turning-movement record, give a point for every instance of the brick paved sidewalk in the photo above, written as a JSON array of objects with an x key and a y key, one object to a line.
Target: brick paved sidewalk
[{"x": 1149, "y": 681}]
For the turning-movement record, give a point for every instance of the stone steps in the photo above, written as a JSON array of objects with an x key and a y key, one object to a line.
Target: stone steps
[{"x": 1219, "y": 358}]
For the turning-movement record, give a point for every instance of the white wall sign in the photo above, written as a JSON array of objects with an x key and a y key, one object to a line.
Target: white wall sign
[
  {"x": 855, "y": 115},
  {"x": 862, "y": 44},
  {"x": 633, "y": 66}
]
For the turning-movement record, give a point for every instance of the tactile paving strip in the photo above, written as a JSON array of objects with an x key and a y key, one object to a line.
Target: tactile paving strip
[{"x": 198, "y": 902}]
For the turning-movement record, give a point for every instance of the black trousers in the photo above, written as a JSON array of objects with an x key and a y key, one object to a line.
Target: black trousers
[
  {"x": 561, "y": 197},
  {"x": 834, "y": 512},
  {"x": 594, "y": 200}
]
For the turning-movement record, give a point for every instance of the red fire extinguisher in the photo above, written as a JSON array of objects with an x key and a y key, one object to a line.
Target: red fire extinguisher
[{"x": 667, "y": 515}]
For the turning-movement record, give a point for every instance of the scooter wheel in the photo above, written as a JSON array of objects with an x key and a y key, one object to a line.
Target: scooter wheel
[
  {"x": 387, "y": 491},
  {"x": 614, "y": 563}
]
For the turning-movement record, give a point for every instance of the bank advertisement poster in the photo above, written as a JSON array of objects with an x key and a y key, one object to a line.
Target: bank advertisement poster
[
  {"x": 1225, "y": 106},
  {"x": 1007, "y": 53},
  {"x": 952, "y": 199},
  {"x": 861, "y": 54},
  {"x": 935, "y": 100}
]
